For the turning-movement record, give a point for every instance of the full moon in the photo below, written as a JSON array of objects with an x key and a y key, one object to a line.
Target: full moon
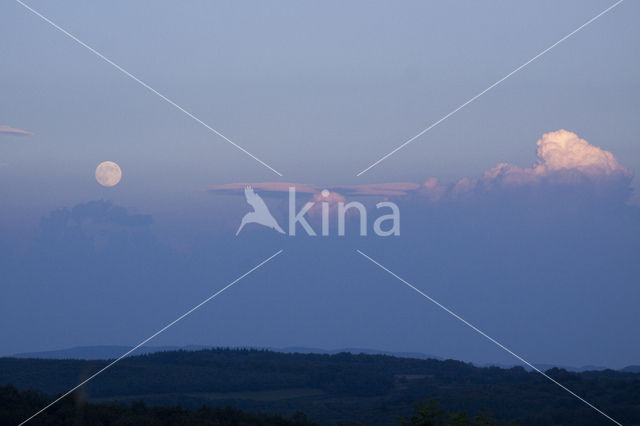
[{"x": 108, "y": 173}]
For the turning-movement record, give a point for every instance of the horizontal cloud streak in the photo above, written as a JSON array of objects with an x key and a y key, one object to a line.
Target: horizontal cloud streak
[
  {"x": 383, "y": 189},
  {"x": 7, "y": 130},
  {"x": 387, "y": 189},
  {"x": 264, "y": 186}
]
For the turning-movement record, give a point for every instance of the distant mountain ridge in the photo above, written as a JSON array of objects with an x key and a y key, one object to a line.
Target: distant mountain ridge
[{"x": 103, "y": 352}]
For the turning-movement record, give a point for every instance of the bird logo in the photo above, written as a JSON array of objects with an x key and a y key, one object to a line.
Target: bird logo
[{"x": 260, "y": 213}]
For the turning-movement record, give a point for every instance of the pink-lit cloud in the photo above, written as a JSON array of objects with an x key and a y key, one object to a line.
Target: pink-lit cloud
[
  {"x": 7, "y": 130},
  {"x": 562, "y": 158},
  {"x": 332, "y": 198},
  {"x": 565, "y": 150},
  {"x": 378, "y": 189},
  {"x": 386, "y": 189},
  {"x": 266, "y": 186}
]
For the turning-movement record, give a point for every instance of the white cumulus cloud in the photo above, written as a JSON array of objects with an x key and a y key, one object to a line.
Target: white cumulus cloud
[
  {"x": 565, "y": 150},
  {"x": 562, "y": 157}
]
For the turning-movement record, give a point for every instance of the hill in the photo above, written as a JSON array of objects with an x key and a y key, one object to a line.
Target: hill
[
  {"x": 373, "y": 389},
  {"x": 16, "y": 406},
  {"x": 113, "y": 351}
]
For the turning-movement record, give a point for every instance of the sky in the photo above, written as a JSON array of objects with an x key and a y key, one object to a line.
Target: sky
[{"x": 520, "y": 212}]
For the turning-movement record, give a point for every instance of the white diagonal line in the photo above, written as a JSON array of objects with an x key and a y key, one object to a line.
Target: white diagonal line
[
  {"x": 163, "y": 329},
  {"x": 490, "y": 87},
  {"x": 482, "y": 333},
  {"x": 145, "y": 85}
]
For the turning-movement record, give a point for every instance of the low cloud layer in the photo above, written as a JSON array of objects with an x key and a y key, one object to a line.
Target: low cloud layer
[
  {"x": 8, "y": 130},
  {"x": 90, "y": 226},
  {"x": 386, "y": 189},
  {"x": 563, "y": 160},
  {"x": 276, "y": 187},
  {"x": 101, "y": 211}
]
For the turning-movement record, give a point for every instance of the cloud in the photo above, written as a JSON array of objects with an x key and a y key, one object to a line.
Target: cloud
[
  {"x": 332, "y": 198},
  {"x": 563, "y": 151},
  {"x": 90, "y": 225},
  {"x": 332, "y": 195},
  {"x": 387, "y": 189},
  {"x": 101, "y": 211},
  {"x": 382, "y": 189},
  {"x": 563, "y": 160},
  {"x": 237, "y": 188},
  {"x": 7, "y": 130},
  {"x": 92, "y": 213},
  {"x": 317, "y": 194}
]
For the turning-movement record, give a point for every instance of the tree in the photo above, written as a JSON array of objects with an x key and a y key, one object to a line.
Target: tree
[{"x": 430, "y": 414}]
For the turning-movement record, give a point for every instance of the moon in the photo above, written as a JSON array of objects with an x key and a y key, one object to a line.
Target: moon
[{"x": 108, "y": 173}]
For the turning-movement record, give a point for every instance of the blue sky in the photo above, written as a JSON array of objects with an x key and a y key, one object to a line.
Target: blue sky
[{"x": 319, "y": 91}]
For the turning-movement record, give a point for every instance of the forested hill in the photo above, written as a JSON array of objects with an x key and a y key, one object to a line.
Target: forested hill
[{"x": 374, "y": 389}]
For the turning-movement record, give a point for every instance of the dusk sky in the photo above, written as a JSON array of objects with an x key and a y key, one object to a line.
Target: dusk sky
[{"x": 520, "y": 212}]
